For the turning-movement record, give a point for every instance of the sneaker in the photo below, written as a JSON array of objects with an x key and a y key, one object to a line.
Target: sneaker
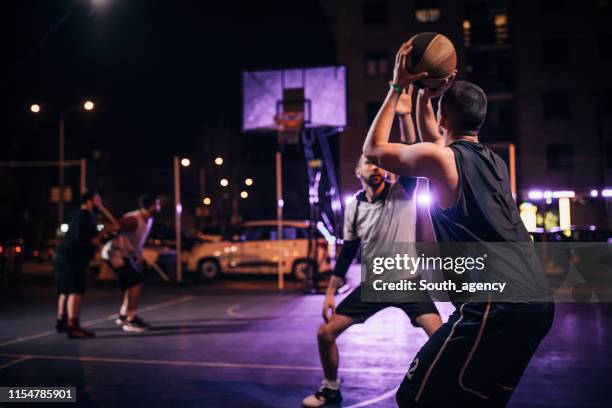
[
  {"x": 322, "y": 397},
  {"x": 61, "y": 325},
  {"x": 78, "y": 332},
  {"x": 120, "y": 320},
  {"x": 136, "y": 325}
]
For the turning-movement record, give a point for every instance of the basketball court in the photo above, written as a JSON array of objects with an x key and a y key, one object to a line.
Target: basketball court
[{"x": 228, "y": 347}]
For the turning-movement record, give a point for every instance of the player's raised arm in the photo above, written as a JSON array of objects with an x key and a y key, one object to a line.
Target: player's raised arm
[
  {"x": 415, "y": 160},
  {"x": 404, "y": 114},
  {"x": 427, "y": 123}
]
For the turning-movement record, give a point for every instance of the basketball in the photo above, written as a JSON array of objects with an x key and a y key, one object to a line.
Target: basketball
[{"x": 432, "y": 53}]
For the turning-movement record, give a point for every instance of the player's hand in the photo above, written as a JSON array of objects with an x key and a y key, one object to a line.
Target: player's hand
[
  {"x": 434, "y": 93},
  {"x": 404, "y": 105},
  {"x": 401, "y": 76},
  {"x": 329, "y": 308}
]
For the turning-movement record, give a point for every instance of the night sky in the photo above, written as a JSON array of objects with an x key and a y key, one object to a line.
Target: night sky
[{"x": 166, "y": 78}]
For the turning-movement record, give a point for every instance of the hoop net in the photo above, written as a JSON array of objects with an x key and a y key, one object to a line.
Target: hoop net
[{"x": 289, "y": 125}]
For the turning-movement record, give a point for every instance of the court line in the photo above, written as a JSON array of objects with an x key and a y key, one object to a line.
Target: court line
[
  {"x": 197, "y": 363},
  {"x": 232, "y": 311},
  {"x": 89, "y": 323},
  {"x": 374, "y": 400},
  {"x": 10, "y": 363}
]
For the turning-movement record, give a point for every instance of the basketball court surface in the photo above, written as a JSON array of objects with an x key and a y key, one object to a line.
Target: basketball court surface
[{"x": 233, "y": 347}]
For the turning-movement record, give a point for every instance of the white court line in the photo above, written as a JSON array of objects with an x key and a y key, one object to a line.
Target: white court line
[
  {"x": 374, "y": 400},
  {"x": 198, "y": 364},
  {"x": 89, "y": 323},
  {"x": 10, "y": 363},
  {"x": 232, "y": 311}
]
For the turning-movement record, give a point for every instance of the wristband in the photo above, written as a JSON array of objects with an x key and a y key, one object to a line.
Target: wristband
[{"x": 396, "y": 88}]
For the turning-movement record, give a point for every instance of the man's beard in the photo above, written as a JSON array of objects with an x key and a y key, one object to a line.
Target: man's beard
[{"x": 375, "y": 180}]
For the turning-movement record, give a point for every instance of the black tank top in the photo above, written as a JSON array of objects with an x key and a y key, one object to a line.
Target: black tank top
[
  {"x": 485, "y": 215},
  {"x": 485, "y": 210}
]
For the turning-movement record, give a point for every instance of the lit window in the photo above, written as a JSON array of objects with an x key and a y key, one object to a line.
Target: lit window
[
  {"x": 427, "y": 15},
  {"x": 501, "y": 28},
  {"x": 467, "y": 33},
  {"x": 376, "y": 63},
  {"x": 427, "y": 11}
]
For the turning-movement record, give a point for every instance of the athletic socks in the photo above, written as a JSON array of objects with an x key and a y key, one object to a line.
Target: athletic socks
[{"x": 332, "y": 384}]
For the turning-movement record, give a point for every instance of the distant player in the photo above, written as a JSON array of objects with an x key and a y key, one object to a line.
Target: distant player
[
  {"x": 124, "y": 255},
  {"x": 379, "y": 204},
  {"x": 71, "y": 259},
  {"x": 477, "y": 358}
]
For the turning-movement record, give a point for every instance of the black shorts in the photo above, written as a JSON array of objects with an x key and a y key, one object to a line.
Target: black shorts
[
  {"x": 70, "y": 276},
  {"x": 359, "y": 311},
  {"x": 477, "y": 358},
  {"x": 128, "y": 275}
]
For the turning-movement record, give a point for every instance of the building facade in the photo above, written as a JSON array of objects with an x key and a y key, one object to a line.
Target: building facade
[{"x": 543, "y": 65}]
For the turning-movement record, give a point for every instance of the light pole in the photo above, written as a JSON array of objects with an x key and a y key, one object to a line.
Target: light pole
[
  {"x": 178, "y": 211},
  {"x": 88, "y": 105}
]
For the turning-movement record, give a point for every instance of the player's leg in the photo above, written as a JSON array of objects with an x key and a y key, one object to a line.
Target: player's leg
[
  {"x": 530, "y": 324},
  {"x": 429, "y": 322},
  {"x": 432, "y": 379},
  {"x": 61, "y": 283},
  {"x": 74, "y": 274},
  {"x": 328, "y": 349},
  {"x": 62, "y": 318},
  {"x": 130, "y": 281},
  {"x": 124, "y": 307},
  {"x": 350, "y": 311},
  {"x": 133, "y": 300},
  {"x": 423, "y": 314}
]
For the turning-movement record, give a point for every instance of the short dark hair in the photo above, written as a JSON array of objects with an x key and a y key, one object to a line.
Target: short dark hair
[
  {"x": 146, "y": 200},
  {"x": 87, "y": 195},
  {"x": 464, "y": 106}
]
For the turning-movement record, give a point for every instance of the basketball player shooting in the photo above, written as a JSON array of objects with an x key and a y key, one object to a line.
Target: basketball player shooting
[{"x": 478, "y": 356}]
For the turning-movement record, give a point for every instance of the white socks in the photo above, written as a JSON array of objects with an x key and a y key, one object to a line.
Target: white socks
[{"x": 332, "y": 384}]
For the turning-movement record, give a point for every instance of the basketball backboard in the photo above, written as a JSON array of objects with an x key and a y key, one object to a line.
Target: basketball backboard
[{"x": 318, "y": 92}]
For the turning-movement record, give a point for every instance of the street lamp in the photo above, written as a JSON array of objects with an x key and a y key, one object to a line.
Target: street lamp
[
  {"x": 35, "y": 108},
  {"x": 219, "y": 161},
  {"x": 185, "y": 162},
  {"x": 206, "y": 201},
  {"x": 244, "y": 194},
  {"x": 248, "y": 182},
  {"x": 224, "y": 182},
  {"x": 88, "y": 105}
]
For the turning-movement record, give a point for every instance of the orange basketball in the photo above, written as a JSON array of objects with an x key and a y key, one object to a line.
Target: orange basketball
[{"x": 432, "y": 53}]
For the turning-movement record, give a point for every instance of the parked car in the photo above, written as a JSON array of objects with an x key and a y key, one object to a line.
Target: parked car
[{"x": 254, "y": 249}]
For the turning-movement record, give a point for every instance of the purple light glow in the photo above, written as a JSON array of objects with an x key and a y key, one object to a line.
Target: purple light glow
[{"x": 535, "y": 195}]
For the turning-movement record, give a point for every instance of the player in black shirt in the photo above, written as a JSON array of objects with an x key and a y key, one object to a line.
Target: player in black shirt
[
  {"x": 477, "y": 358},
  {"x": 70, "y": 260}
]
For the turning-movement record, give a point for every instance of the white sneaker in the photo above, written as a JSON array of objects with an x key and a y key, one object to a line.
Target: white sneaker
[{"x": 323, "y": 396}]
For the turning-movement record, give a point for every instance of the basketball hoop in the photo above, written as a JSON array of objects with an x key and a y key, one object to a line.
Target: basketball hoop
[{"x": 289, "y": 125}]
